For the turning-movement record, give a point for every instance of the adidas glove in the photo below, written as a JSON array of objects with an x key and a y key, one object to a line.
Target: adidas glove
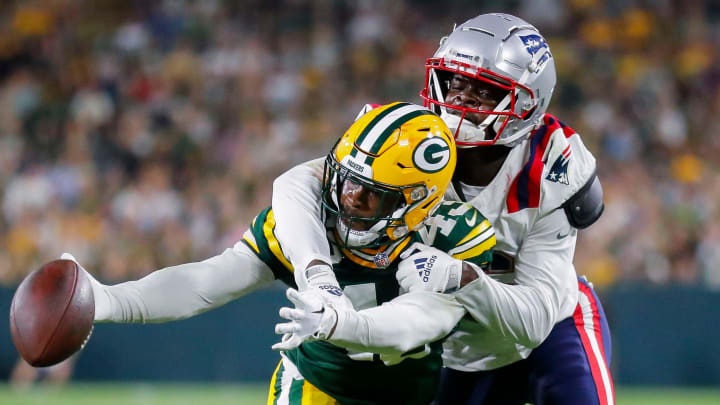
[{"x": 425, "y": 268}]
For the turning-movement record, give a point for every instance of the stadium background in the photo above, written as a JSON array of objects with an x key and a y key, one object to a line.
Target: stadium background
[{"x": 141, "y": 134}]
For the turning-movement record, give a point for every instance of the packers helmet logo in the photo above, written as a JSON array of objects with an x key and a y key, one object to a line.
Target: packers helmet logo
[{"x": 431, "y": 155}]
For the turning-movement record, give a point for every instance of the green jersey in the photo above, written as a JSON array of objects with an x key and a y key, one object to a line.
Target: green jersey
[{"x": 367, "y": 277}]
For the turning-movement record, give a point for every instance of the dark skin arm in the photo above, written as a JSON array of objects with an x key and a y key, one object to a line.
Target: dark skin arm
[{"x": 468, "y": 274}]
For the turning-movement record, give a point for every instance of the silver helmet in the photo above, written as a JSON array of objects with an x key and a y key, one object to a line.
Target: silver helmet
[{"x": 501, "y": 50}]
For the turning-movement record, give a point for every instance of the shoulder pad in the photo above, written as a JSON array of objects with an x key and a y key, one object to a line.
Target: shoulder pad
[{"x": 585, "y": 206}]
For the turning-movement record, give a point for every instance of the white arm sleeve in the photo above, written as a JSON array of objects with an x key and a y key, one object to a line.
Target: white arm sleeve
[
  {"x": 546, "y": 289},
  {"x": 297, "y": 208},
  {"x": 405, "y": 323},
  {"x": 182, "y": 291}
]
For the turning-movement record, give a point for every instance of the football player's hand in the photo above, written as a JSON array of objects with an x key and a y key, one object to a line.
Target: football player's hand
[
  {"x": 425, "y": 268},
  {"x": 311, "y": 319},
  {"x": 321, "y": 277},
  {"x": 102, "y": 303}
]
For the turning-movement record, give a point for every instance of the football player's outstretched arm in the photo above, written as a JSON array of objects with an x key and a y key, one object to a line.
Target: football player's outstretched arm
[
  {"x": 395, "y": 327},
  {"x": 182, "y": 291},
  {"x": 296, "y": 204},
  {"x": 546, "y": 281},
  {"x": 299, "y": 228}
]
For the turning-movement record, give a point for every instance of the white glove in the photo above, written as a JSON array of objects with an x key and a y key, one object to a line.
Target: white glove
[
  {"x": 322, "y": 278},
  {"x": 102, "y": 301},
  {"x": 425, "y": 268},
  {"x": 311, "y": 319}
]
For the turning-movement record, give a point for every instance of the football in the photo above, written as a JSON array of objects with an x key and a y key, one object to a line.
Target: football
[{"x": 52, "y": 312}]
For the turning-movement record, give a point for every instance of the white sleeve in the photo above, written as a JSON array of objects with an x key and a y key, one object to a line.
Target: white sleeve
[
  {"x": 405, "y": 323},
  {"x": 297, "y": 208},
  {"x": 182, "y": 291},
  {"x": 545, "y": 291}
]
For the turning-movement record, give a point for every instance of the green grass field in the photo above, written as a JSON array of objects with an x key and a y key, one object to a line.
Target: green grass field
[{"x": 145, "y": 394}]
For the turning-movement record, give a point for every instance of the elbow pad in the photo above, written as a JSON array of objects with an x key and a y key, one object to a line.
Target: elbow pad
[{"x": 586, "y": 206}]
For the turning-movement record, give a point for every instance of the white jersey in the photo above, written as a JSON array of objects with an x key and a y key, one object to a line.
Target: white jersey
[
  {"x": 533, "y": 255},
  {"x": 532, "y": 284}
]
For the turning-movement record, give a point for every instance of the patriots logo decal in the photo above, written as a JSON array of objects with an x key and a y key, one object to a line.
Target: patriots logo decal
[
  {"x": 558, "y": 171},
  {"x": 534, "y": 44}
]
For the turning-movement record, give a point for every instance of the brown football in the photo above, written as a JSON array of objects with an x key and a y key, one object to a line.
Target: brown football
[{"x": 52, "y": 312}]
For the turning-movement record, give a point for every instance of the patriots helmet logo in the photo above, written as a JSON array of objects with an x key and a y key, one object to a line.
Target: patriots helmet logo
[
  {"x": 534, "y": 44},
  {"x": 558, "y": 171}
]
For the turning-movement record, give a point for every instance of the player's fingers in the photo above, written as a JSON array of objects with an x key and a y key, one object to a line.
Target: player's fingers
[
  {"x": 285, "y": 328},
  {"x": 291, "y": 314},
  {"x": 294, "y": 296},
  {"x": 405, "y": 271}
]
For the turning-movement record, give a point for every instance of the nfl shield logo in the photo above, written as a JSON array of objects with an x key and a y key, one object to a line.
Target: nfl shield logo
[{"x": 382, "y": 260}]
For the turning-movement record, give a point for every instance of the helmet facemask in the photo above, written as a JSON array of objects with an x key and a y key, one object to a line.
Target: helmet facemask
[
  {"x": 383, "y": 226},
  {"x": 438, "y": 76}
]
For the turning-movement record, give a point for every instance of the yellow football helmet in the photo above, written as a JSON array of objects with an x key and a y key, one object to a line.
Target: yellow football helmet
[{"x": 403, "y": 156}]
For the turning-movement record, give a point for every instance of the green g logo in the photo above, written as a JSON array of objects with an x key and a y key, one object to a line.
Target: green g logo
[{"x": 431, "y": 155}]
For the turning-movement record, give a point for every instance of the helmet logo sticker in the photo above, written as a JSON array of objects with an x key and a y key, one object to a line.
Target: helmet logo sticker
[
  {"x": 534, "y": 44},
  {"x": 431, "y": 155}
]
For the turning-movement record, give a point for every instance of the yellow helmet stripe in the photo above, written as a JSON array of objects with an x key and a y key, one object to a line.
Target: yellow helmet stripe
[
  {"x": 375, "y": 134},
  {"x": 381, "y": 113},
  {"x": 375, "y": 148}
]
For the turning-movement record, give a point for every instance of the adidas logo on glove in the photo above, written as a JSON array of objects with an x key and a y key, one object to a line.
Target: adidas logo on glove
[
  {"x": 425, "y": 266},
  {"x": 332, "y": 289}
]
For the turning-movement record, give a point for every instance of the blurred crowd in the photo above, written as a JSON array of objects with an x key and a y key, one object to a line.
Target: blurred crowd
[{"x": 139, "y": 135}]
